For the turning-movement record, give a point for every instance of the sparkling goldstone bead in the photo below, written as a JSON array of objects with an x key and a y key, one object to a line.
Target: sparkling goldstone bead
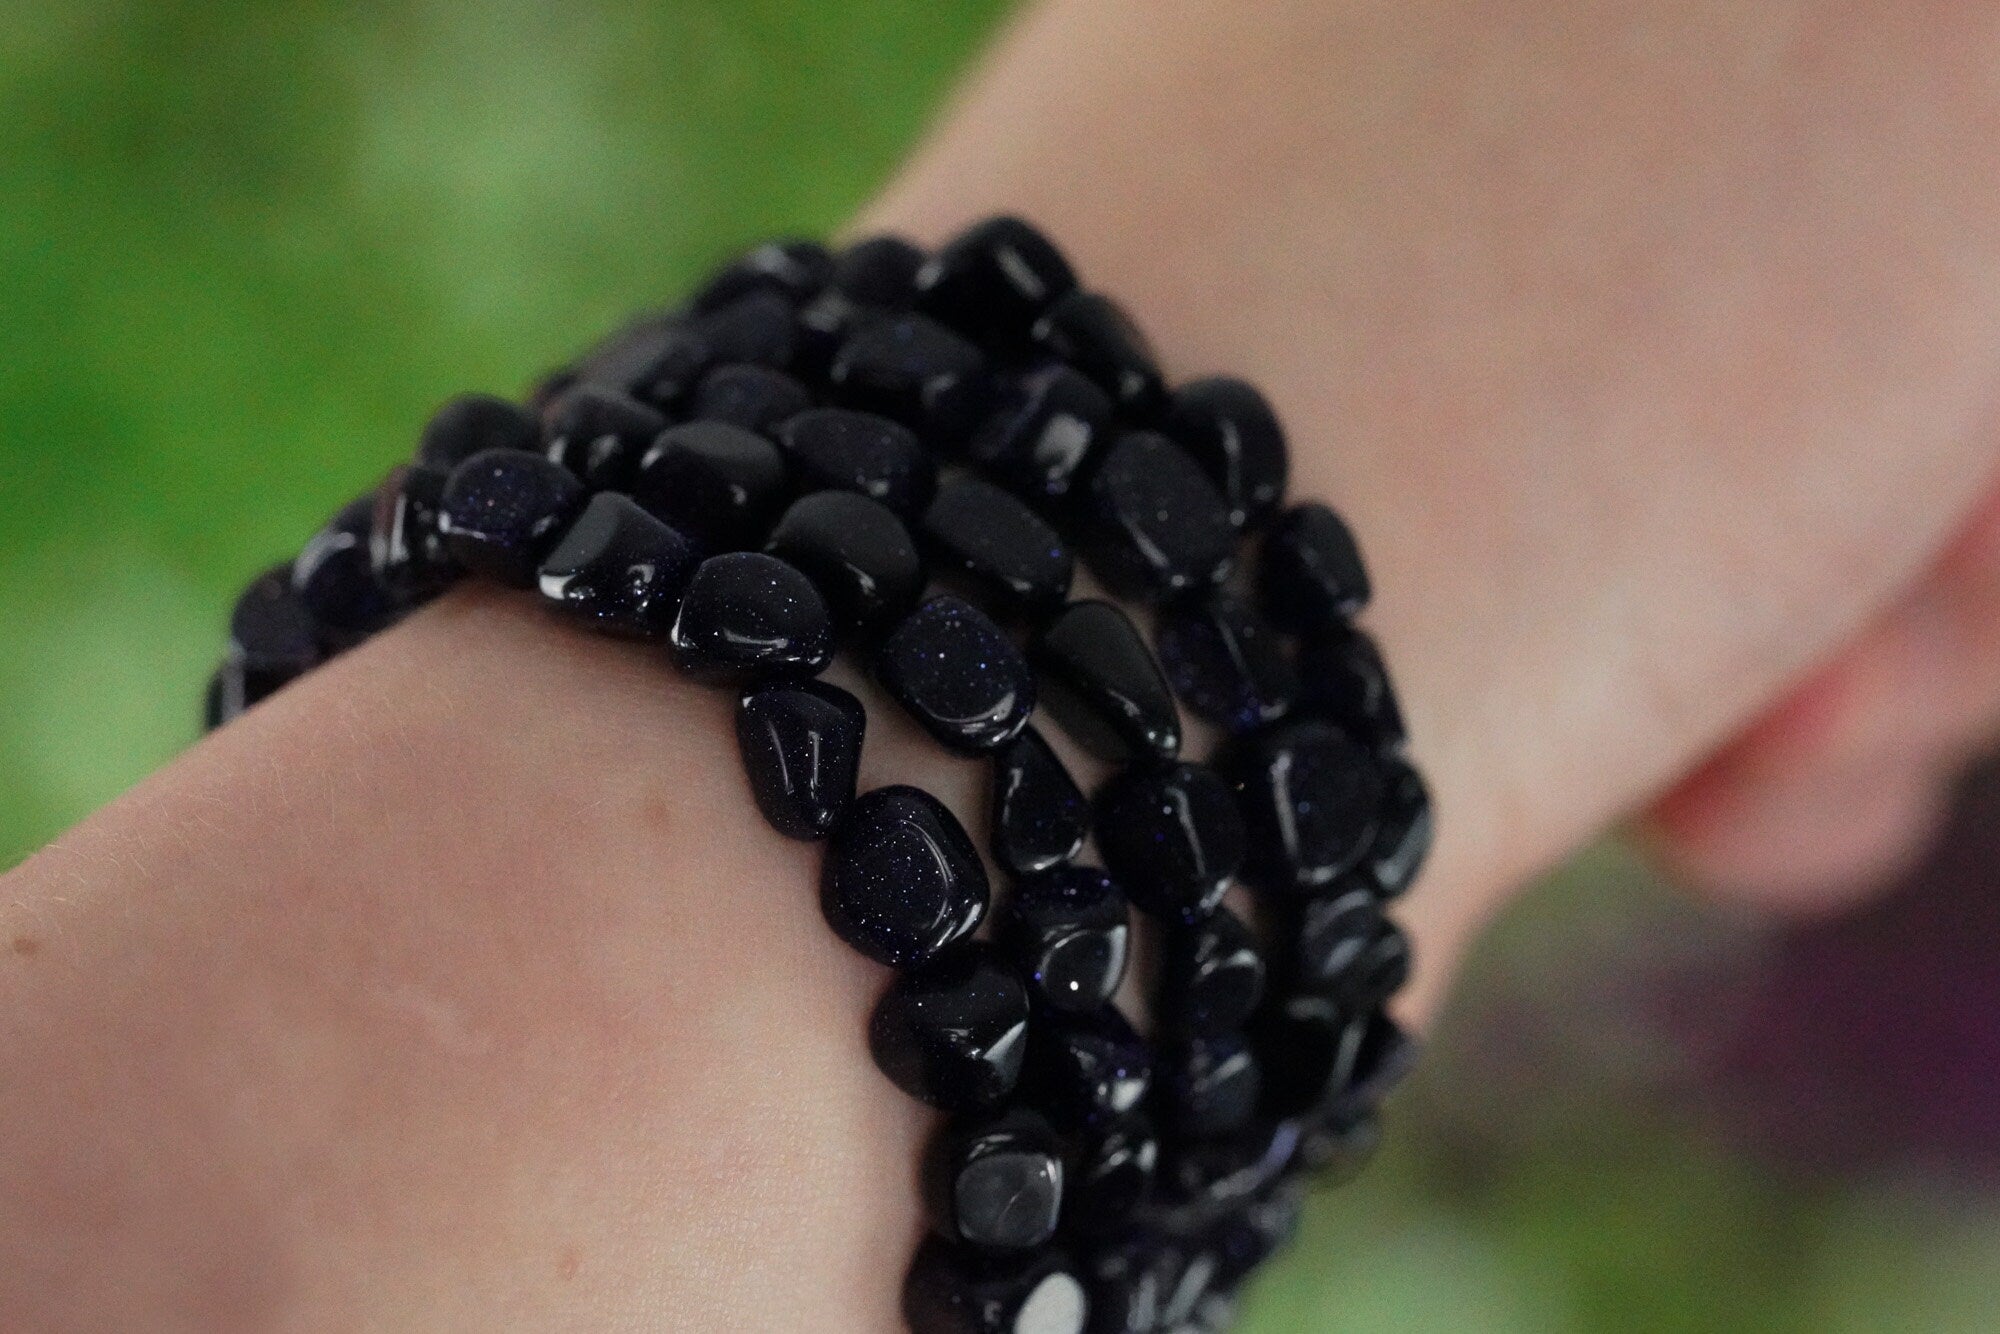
[
  {"x": 503, "y": 510},
  {"x": 1211, "y": 976},
  {"x": 957, "y": 1290},
  {"x": 902, "y": 879},
  {"x": 1208, "y": 1086},
  {"x": 994, "y": 1180},
  {"x": 1158, "y": 526},
  {"x": 801, "y": 744},
  {"x": 720, "y": 484},
  {"x": 915, "y": 371},
  {"x": 1311, "y": 799},
  {"x": 1103, "y": 684},
  {"x": 406, "y": 550},
  {"x": 840, "y": 449},
  {"x": 1041, "y": 437},
  {"x": 1345, "y": 948},
  {"x": 1323, "y": 1059},
  {"x": 953, "y": 1032},
  {"x": 1093, "y": 333},
  {"x": 976, "y": 529},
  {"x": 759, "y": 327},
  {"x": 1228, "y": 428},
  {"x": 1172, "y": 836},
  {"x": 1343, "y": 680},
  {"x": 750, "y": 617},
  {"x": 270, "y": 631},
  {"x": 754, "y": 397},
  {"x": 619, "y": 570},
  {"x": 994, "y": 280},
  {"x": 1070, "y": 932},
  {"x": 880, "y": 271},
  {"x": 1113, "y": 1176},
  {"x": 857, "y": 553},
  {"x": 958, "y": 675},
  {"x": 1226, "y": 664},
  {"x": 1312, "y": 577},
  {"x": 1087, "y": 1071},
  {"x": 334, "y": 580},
  {"x": 1404, "y": 838},
  {"x": 472, "y": 424},
  {"x": 1039, "y": 815},
  {"x": 600, "y": 433}
]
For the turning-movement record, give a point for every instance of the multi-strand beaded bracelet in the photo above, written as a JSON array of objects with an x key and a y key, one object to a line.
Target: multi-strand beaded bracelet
[{"x": 781, "y": 467}]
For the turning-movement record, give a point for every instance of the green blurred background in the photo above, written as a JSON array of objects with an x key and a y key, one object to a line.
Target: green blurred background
[{"x": 245, "y": 246}]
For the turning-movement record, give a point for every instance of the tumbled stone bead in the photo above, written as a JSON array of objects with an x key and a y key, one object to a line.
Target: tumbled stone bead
[
  {"x": 678, "y": 356},
  {"x": 1259, "y": 1230},
  {"x": 270, "y": 631},
  {"x": 1228, "y": 428},
  {"x": 1112, "y": 1177},
  {"x": 1071, "y": 933},
  {"x": 503, "y": 510},
  {"x": 1088, "y": 1070},
  {"x": 618, "y": 569},
  {"x": 1204, "y": 1181},
  {"x": 1208, "y": 1085},
  {"x": 759, "y": 327},
  {"x": 600, "y": 434},
  {"x": 1103, "y": 684},
  {"x": 334, "y": 580},
  {"x": 824, "y": 324},
  {"x": 720, "y": 484},
  {"x": 958, "y": 1290},
  {"x": 958, "y": 675},
  {"x": 978, "y": 530},
  {"x": 1377, "y": 1056},
  {"x": 405, "y": 547},
  {"x": 915, "y": 371},
  {"x": 1130, "y": 1281},
  {"x": 1311, "y": 799},
  {"x": 801, "y": 745},
  {"x": 879, "y": 271},
  {"x": 1175, "y": 1277},
  {"x": 994, "y": 280},
  {"x": 1336, "y": 1148},
  {"x": 1039, "y": 815},
  {"x": 840, "y": 449},
  {"x": 1158, "y": 528},
  {"x": 236, "y": 685},
  {"x": 1312, "y": 577},
  {"x": 1343, "y": 680},
  {"x": 624, "y": 360},
  {"x": 791, "y": 269},
  {"x": 1093, "y": 333},
  {"x": 1404, "y": 837},
  {"x": 995, "y": 1180},
  {"x": 1212, "y": 976},
  {"x": 1225, "y": 662},
  {"x": 1344, "y": 947},
  {"x": 1040, "y": 439},
  {"x": 1322, "y": 1058},
  {"x": 953, "y": 1032},
  {"x": 1172, "y": 836},
  {"x": 749, "y": 617},
  {"x": 902, "y": 878},
  {"x": 754, "y": 397},
  {"x": 472, "y": 424},
  {"x": 857, "y": 553}
]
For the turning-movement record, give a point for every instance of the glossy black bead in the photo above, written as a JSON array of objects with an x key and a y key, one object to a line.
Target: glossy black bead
[
  {"x": 334, "y": 580},
  {"x": 995, "y": 1180},
  {"x": 1312, "y": 800},
  {"x": 958, "y": 675},
  {"x": 503, "y": 510},
  {"x": 915, "y": 371},
  {"x": 236, "y": 685},
  {"x": 794, "y": 270},
  {"x": 1325, "y": 1060},
  {"x": 1342, "y": 946},
  {"x": 1103, "y": 684},
  {"x": 1376, "y": 1056},
  {"x": 1041, "y": 437},
  {"x": 1208, "y": 1086},
  {"x": 1403, "y": 839},
  {"x": 1130, "y": 1281},
  {"x": 1212, "y": 976},
  {"x": 676, "y": 356},
  {"x": 857, "y": 553},
  {"x": 600, "y": 433},
  {"x": 720, "y": 484},
  {"x": 1112, "y": 1177},
  {"x": 1087, "y": 1071},
  {"x": 618, "y": 569},
  {"x": 880, "y": 271},
  {"x": 1071, "y": 933},
  {"x": 902, "y": 879},
  {"x": 754, "y": 397},
  {"x": 1259, "y": 1230},
  {"x": 750, "y": 617},
  {"x": 760, "y": 327},
  {"x": 625, "y": 360},
  {"x": 980, "y": 531},
  {"x": 1094, "y": 334},
  {"x": 1226, "y": 662},
  {"x": 270, "y": 630},
  {"x": 1172, "y": 836},
  {"x": 994, "y": 280},
  {"x": 406, "y": 550},
  {"x": 840, "y": 449},
  {"x": 1228, "y": 428},
  {"x": 1312, "y": 577},
  {"x": 1343, "y": 680},
  {"x": 1159, "y": 528},
  {"x": 1203, "y": 1182},
  {"x": 824, "y": 325},
  {"x": 1039, "y": 815},
  {"x": 958, "y": 1290},
  {"x": 472, "y": 424},
  {"x": 953, "y": 1032},
  {"x": 801, "y": 744}
]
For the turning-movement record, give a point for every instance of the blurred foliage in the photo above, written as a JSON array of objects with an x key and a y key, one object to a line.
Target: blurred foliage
[{"x": 245, "y": 246}]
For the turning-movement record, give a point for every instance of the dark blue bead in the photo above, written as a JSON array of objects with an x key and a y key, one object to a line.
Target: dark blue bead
[
  {"x": 759, "y": 327},
  {"x": 1113, "y": 1176},
  {"x": 994, "y": 280},
  {"x": 1172, "y": 836},
  {"x": 600, "y": 434},
  {"x": 1104, "y": 685},
  {"x": 1257, "y": 1231},
  {"x": 503, "y": 509},
  {"x": 1343, "y": 947},
  {"x": 1130, "y": 1281},
  {"x": 619, "y": 570},
  {"x": 1403, "y": 840},
  {"x": 1094, "y": 334},
  {"x": 472, "y": 424},
  {"x": 720, "y": 484},
  {"x": 1042, "y": 436},
  {"x": 623, "y": 359},
  {"x": 1159, "y": 527},
  {"x": 1312, "y": 577},
  {"x": 958, "y": 675},
  {"x": 1071, "y": 933},
  {"x": 754, "y": 397},
  {"x": 902, "y": 879},
  {"x": 750, "y": 617},
  {"x": 1225, "y": 662},
  {"x": 1201, "y": 1183},
  {"x": 1228, "y": 428},
  {"x": 880, "y": 271},
  {"x": 794, "y": 270},
  {"x": 953, "y": 1032},
  {"x": 236, "y": 685},
  {"x": 957, "y": 1290},
  {"x": 334, "y": 580},
  {"x": 824, "y": 324},
  {"x": 1211, "y": 976},
  {"x": 270, "y": 630},
  {"x": 840, "y": 449},
  {"x": 405, "y": 547},
  {"x": 1344, "y": 681},
  {"x": 1312, "y": 800},
  {"x": 857, "y": 553},
  {"x": 995, "y": 1180},
  {"x": 1087, "y": 1071},
  {"x": 1039, "y": 815},
  {"x": 676, "y": 355},
  {"x": 984, "y": 533},
  {"x": 1324, "y": 1059},
  {"x": 801, "y": 744},
  {"x": 916, "y": 371},
  {"x": 1208, "y": 1086}
]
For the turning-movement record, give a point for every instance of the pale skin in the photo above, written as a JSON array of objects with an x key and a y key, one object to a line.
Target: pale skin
[{"x": 1651, "y": 348}]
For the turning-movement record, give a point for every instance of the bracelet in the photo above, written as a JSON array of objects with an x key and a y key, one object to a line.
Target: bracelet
[{"x": 784, "y": 466}]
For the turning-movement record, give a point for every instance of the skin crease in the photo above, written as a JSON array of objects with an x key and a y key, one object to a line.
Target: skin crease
[{"x": 1652, "y": 350}]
